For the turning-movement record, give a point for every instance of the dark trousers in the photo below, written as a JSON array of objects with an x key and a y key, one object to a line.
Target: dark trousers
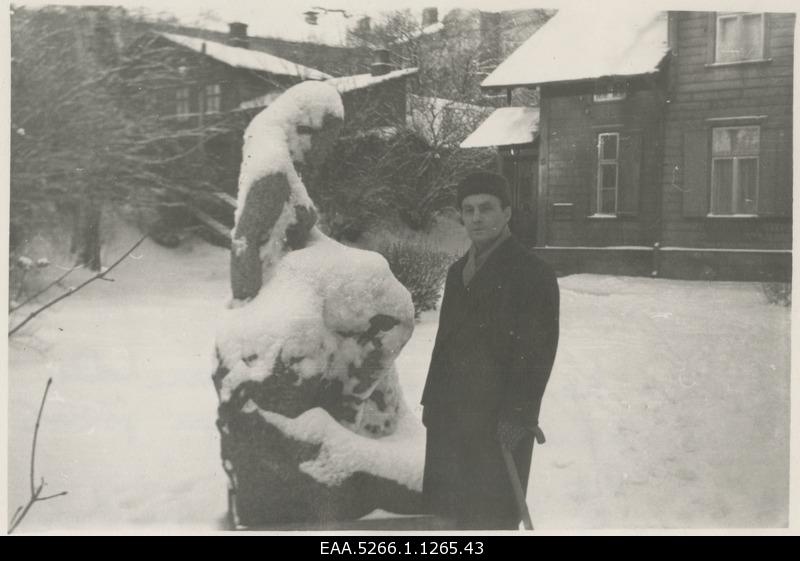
[{"x": 465, "y": 477}]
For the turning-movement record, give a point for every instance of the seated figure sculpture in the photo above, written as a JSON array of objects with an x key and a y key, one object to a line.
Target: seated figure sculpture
[{"x": 312, "y": 421}]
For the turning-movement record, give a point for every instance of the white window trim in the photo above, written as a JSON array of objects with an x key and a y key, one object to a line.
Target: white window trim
[
  {"x": 756, "y": 155},
  {"x": 739, "y": 17},
  {"x": 599, "y": 177}
]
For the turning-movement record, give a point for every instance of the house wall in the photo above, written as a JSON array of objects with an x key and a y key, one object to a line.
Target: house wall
[
  {"x": 382, "y": 105},
  {"x": 237, "y": 85},
  {"x": 570, "y": 121},
  {"x": 216, "y": 161},
  {"x": 699, "y": 91}
]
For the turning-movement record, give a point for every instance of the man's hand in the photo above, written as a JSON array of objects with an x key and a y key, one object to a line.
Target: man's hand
[{"x": 510, "y": 434}]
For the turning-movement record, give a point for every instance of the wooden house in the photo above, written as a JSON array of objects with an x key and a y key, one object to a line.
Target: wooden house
[
  {"x": 663, "y": 144},
  {"x": 209, "y": 82}
]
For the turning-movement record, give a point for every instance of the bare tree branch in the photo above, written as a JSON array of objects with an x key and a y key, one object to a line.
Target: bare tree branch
[
  {"x": 99, "y": 275},
  {"x": 45, "y": 289},
  {"x": 36, "y": 491}
]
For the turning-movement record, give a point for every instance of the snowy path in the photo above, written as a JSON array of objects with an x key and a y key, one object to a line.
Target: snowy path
[
  {"x": 668, "y": 405},
  {"x": 129, "y": 426}
]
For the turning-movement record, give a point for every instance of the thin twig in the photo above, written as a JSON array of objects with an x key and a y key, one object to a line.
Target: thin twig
[
  {"x": 36, "y": 491},
  {"x": 48, "y": 497},
  {"x": 99, "y": 275},
  {"x": 46, "y": 288},
  {"x": 36, "y": 435}
]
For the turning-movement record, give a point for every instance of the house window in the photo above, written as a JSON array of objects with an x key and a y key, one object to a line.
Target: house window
[
  {"x": 740, "y": 37},
  {"x": 609, "y": 91},
  {"x": 607, "y": 173},
  {"x": 734, "y": 170},
  {"x": 182, "y": 101},
  {"x": 213, "y": 95}
]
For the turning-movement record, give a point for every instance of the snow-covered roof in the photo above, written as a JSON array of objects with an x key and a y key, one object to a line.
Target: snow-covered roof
[
  {"x": 360, "y": 81},
  {"x": 246, "y": 58},
  {"x": 343, "y": 84},
  {"x": 581, "y": 43},
  {"x": 507, "y": 125}
]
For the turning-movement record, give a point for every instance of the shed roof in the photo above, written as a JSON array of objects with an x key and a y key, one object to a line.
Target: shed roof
[
  {"x": 506, "y": 126},
  {"x": 587, "y": 42},
  {"x": 343, "y": 84},
  {"x": 239, "y": 57}
]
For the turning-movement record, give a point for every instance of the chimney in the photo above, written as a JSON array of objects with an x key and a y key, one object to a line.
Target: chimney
[
  {"x": 364, "y": 25},
  {"x": 430, "y": 16},
  {"x": 380, "y": 63},
  {"x": 237, "y": 35}
]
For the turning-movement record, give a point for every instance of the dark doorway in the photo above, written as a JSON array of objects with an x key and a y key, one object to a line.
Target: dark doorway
[{"x": 519, "y": 165}]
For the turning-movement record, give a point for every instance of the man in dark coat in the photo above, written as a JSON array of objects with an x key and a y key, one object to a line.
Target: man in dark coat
[{"x": 497, "y": 339}]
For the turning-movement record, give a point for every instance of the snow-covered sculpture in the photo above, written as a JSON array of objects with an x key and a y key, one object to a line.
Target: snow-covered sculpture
[{"x": 312, "y": 421}]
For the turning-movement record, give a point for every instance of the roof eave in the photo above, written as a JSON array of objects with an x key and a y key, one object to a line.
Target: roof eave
[
  {"x": 323, "y": 75},
  {"x": 659, "y": 67},
  {"x": 561, "y": 82}
]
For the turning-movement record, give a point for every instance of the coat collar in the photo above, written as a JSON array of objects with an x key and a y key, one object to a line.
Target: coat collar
[
  {"x": 475, "y": 260},
  {"x": 499, "y": 256}
]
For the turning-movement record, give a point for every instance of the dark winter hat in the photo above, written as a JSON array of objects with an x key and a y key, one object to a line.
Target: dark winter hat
[{"x": 483, "y": 183}]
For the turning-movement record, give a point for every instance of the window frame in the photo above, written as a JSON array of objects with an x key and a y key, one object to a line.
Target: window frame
[
  {"x": 599, "y": 178},
  {"x": 620, "y": 86},
  {"x": 734, "y": 187},
  {"x": 217, "y": 96},
  {"x": 183, "y": 101},
  {"x": 739, "y": 27}
]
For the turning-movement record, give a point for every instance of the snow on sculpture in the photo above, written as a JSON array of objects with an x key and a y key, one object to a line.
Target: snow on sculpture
[{"x": 312, "y": 420}]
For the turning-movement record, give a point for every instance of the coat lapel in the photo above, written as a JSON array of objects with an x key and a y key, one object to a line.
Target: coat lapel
[
  {"x": 465, "y": 299},
  {"x": 457, "y": 295}
]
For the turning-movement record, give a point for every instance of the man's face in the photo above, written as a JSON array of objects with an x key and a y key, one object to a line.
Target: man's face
[{"x": 484, "y": 217}]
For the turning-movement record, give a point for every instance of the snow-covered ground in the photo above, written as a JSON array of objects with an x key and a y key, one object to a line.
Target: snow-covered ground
[{"x": 668, "y": 405}]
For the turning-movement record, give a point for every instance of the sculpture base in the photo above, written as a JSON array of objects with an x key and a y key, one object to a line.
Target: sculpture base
[{"x": 270, "y": 488}]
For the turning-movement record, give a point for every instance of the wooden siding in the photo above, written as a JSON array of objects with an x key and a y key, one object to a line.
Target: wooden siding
[
  {"x": 700, "y": 91},
  {"x": 237, "y": 85},
  {"x": 382, "y": 105},
  {"x": 573, "y": 120}
]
